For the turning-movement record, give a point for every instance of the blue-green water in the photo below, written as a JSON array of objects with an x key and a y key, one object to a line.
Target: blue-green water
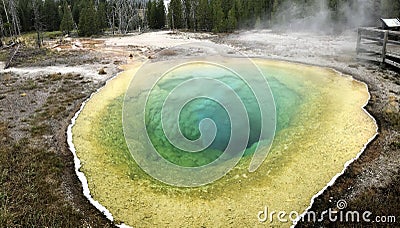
[{"x": 196, "y": 110}]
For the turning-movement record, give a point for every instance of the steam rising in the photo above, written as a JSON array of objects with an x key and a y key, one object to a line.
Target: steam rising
[{"x": 325, "y": 16}]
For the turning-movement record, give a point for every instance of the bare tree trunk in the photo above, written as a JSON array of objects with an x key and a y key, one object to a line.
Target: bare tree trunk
[
  {"x": 126, "y": 13},
  {"x": 5, "y": 10},
  {"x": 145, "y": 21},
  {"x": 14, "y": 17},
  {"x": 37, "y": 22},
  {"x": 8, "y": 19},
  {"x": 119, "y": 9},
  {"x": 172, "y": 20},
  {"x": 194, "y": 6},
  {"x": 113, "y": 21},
  {"x": 1, "y": 32},
  {"x": 110, "y": 12}
]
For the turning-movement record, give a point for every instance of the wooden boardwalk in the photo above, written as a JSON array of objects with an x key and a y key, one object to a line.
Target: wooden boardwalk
[{"x": 379, "y": 45}]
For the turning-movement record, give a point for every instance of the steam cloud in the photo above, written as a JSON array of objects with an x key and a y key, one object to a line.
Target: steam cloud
[{"x": 318, "y": 16}]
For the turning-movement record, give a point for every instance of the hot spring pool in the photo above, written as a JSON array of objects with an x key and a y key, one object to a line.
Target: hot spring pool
[{"x": 320, "y": 126}]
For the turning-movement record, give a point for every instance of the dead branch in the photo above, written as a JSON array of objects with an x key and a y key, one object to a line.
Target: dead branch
[{"x": 12, "y": 56}]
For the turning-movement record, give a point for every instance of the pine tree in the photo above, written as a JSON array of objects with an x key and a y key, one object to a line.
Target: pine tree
[
  {"x": 187, "y": 8},
  {"x": 218, "y": 17},
  {"x": 88, "y": 24},
  {"x": 24, "y": 8},
  {"x": 76, "y": 9},
  {"x": 204, "y": 16},
  {"x": 160, "y": 14},
  {"x": 175, "y": 14},
  {"x": 226, "y": 5},
  {"x": 51, "y": 17},
  {"x": 275, "y": 9},
  {"x": 151, "y": 14},
  {"x": 232, "y": 21},
  {"x": 390, "y": 8},
  {"x": 101, "y": 16},
  {"x": 37, "y": 21},
  {"x": 239, "y": 12},
  {"x": 67, "y": 23}
]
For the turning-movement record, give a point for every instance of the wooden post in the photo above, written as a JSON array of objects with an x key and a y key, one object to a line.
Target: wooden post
[
  {"x": 358, "y": 41},
  {"x": 385, "y": 39}
]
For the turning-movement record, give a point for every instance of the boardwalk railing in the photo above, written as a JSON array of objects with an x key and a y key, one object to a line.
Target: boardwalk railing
[{"x": 379, "y": 45}]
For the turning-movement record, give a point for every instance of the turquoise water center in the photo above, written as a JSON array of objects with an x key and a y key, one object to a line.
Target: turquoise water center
[
  {"x": 214, "y": 103},
  {"x": 320, "y": 126},
  {"x": 200, "y": 118}
]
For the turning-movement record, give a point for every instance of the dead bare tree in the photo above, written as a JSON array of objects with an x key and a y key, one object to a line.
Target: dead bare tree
[
  {"x": 6, "y": 12},
  {"x": 193, "y": 10},
  {"x": 112, "y": 21},
  {"x": 111, "y": 14},
  {"x": 126, "y": 13},
  {"x": 1, "y": 32},
  {"x": 14, "y": 17},
  {"x": 37, "y": 22}
]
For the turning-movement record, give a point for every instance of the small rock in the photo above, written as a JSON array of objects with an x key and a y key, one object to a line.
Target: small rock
[{"x": 102, "y": 71}]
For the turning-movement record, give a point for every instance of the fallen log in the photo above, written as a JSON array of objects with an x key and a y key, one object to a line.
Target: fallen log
[
  {"x": 11, "y": 58},
  {"x": 8, "y": 46}
]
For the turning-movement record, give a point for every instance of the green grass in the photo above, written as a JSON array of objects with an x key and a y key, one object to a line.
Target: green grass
[
  {"x": 29, "y": 186},
  {"x": 4, "y": 55},
  {"x": 30, "y": 85},
  {"x": 52, "y": 35},
  {"x": 37, "y": 181},
  {"x": 30, "y": 38}
]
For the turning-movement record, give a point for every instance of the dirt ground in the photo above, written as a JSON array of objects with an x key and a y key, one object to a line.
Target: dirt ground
[
  {"x": 38, "y": 186},
  {"x": 42, "y": 90}
]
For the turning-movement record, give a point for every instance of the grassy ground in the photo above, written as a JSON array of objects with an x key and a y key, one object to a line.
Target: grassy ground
[
  {"x": 38, "y": 186},
  {"x": 31, "y": 57},
  {"x": 30, "y": 38}
]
